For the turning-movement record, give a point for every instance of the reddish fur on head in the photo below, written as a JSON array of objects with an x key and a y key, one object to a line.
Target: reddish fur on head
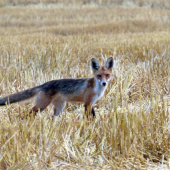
[{"x": 102, "y": 74}]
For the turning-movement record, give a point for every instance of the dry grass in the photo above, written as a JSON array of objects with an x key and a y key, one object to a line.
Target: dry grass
[
  {"x": 40, "y": 43},
  {"x": 158, "y": 4}
]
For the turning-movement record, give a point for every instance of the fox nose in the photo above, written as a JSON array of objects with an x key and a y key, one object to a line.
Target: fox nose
[{"x": 104, "y": 83}]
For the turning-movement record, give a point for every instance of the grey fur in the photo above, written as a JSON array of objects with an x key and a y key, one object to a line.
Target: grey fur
[
  {"x": 63, "y": 86},
  {"x": 20, "y": 96}
]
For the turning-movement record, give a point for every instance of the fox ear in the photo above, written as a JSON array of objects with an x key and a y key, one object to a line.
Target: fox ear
[
  {"x": 109, "y": 63},
  {"x": 94, "y": 64}
]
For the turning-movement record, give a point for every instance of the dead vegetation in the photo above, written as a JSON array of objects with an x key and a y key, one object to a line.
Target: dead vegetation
[{"x": 39, "y": 44}]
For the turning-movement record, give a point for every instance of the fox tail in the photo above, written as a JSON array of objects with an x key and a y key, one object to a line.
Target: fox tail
[{"x": 20, "y": 96}]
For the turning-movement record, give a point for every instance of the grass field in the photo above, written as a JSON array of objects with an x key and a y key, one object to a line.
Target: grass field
[{"x": 45, "y": 40}]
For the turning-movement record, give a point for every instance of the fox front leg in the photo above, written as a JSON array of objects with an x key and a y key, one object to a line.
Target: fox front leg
[
  {"x": 89, "y": 111},
  {"x": 93, "y": 112}
]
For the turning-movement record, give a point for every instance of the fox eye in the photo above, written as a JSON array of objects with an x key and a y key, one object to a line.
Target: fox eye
[
  {"x": 107, "y": 75},
  {"x": 99, "y": 76}
]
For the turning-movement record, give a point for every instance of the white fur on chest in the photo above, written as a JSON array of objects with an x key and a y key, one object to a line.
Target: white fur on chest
[{"x": 99, "y": 92}]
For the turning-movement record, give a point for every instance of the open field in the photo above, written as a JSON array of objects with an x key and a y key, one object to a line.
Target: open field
[{"x": 44, "y": 40}]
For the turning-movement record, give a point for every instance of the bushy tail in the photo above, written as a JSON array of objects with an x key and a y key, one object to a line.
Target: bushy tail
[{"x": 20, "y": 96}]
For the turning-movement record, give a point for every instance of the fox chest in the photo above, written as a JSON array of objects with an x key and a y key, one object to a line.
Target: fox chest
[{"x": 98, "y": 93}]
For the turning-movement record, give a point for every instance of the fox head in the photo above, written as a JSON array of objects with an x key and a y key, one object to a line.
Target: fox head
[{"x": 102, "y": 74}]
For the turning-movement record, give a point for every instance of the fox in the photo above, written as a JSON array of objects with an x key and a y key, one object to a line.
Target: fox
[{"x": 60, "y": 91}]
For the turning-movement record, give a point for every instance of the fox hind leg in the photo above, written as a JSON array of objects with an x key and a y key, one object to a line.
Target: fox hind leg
[
  {"x": 42, "y": 102},
  {"x": 59, "y": 105}
]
